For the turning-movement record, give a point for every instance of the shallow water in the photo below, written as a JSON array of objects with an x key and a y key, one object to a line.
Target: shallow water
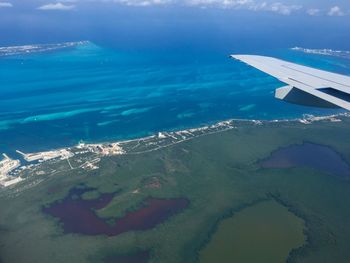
[
  {"x": 93, "y": 93},
  {"x": 265, "y": 232}
]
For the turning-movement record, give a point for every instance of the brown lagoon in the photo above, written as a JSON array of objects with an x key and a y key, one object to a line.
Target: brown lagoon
[{"x": 78, "y": 215}]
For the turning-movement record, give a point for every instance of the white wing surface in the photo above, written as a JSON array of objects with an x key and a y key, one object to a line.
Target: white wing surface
[{"x": 306, "y": 86}]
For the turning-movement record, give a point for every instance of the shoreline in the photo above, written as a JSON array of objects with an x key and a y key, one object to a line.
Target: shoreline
[
  {"x": 20, "y": 50},
  {"x": 91, "y": 153}
]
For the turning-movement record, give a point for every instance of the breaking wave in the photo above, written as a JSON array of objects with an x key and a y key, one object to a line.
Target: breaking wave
[
  {"x": 326, "y": 52},
  {"x": 28, "y": 49}
]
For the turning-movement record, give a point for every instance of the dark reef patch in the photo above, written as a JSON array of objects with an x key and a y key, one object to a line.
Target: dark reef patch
[
  {"x": 78, "y": 215},
  {"x": 140, "y": 257},
  {"x": 311, "y": 155}
]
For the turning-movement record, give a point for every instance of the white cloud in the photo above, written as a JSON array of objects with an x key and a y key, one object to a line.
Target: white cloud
[
  {"x": 335, "y": 11},
  {"x": 5, "y": 4},
  {"x": 313, "y": 12},
  {"x": 219, "y": 3},
  {"x": 277, "y": 7},
  {"x": 57, "y": 6},
  {"x": 283, "y": 9},
  {"x": 142, "y": 2}
]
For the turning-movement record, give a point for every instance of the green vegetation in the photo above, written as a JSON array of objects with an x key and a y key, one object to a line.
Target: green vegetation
[
  {"x": 90, "y": 195},
  {"x": 217, "y": 173},
  {"x": 264, "y": 232}
]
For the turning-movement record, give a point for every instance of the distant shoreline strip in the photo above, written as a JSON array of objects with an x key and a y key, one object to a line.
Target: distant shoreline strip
[{"x": 29, "y": 49}]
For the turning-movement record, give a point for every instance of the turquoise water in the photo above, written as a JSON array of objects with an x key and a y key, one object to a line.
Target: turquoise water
[{"x": 92, "y": 93}]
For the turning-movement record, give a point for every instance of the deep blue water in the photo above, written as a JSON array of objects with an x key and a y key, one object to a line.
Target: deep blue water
[{"x": 98, "y": 93}]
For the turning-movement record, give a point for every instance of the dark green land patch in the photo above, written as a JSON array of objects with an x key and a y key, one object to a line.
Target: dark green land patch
[
  {"x": 90, "y": 195},
  {"x": 216, "y": 173}
]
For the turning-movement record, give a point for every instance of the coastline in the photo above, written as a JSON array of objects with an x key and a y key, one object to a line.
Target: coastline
[
  {"x": 38, "y": 48},
  {"x": 89, "y": 155},
  {"x": 324, "y": 52}
]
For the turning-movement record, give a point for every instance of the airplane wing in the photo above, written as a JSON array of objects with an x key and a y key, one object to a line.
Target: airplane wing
[{"x": 306, "y": 86}]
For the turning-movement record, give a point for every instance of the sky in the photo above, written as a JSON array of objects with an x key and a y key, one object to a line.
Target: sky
[
  {"x": 309, "y": 7},
  {"x": 181, "y": 23}
]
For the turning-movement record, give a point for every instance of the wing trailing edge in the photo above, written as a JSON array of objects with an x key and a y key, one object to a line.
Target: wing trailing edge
[{"x": 305, "y": 85}]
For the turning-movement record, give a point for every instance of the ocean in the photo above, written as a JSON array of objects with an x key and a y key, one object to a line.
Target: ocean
[{"x": 58, "y": 95}]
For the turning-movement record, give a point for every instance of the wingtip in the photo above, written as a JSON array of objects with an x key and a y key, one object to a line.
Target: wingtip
[
  {"x": 239, "y": 57},
  {"x": 234, "y": 56}
]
